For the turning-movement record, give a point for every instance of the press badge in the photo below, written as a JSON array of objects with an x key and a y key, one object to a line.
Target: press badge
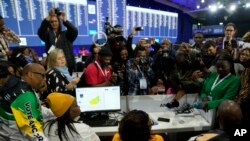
[
  {"x": 143, "y": 83},
  {"x": 210, "y": 98}
]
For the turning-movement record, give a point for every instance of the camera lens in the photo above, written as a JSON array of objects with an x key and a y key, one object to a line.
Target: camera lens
[{"x": 57, "y": 11}]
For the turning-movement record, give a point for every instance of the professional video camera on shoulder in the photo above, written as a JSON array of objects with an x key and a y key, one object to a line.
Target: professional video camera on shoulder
[{"x": 109, "y": 29}]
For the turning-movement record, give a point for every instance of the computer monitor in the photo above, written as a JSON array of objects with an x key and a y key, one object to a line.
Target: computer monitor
[{"x": 98, "y": 99}]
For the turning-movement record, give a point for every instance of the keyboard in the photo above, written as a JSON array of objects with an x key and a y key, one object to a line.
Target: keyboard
[{"x": 101, "y": 123}]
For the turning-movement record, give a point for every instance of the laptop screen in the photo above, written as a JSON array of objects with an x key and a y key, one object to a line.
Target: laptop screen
[{"x": 92, "y": 99}]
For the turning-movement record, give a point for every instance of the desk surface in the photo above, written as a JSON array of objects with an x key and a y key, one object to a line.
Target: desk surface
[{"x": 177, "y": 123}]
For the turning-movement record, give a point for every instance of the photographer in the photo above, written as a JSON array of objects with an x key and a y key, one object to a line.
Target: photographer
[
  {"x": 130, "y": 41},
  {"x": 139, "y": 73},
  {"x": 6, "y": 36},
  {"x": 116, "y": 41},
  {"x": 51, "y": 33},
  {"x": 164, "y": 62}
]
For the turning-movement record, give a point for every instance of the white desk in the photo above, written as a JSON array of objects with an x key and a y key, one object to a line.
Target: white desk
[
  {"x": 198, "y": 121},
  {"x": 179, "y": 123}
]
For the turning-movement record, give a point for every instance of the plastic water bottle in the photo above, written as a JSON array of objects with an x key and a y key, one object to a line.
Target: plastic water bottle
[{"x": 198, "y": 105}]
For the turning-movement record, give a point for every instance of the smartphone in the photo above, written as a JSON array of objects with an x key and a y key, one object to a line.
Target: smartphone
[
  {"x": 139, "y": 28},
  {"x": 163, "y": 119}
]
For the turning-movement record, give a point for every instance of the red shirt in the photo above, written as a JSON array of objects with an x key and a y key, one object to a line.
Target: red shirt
[{"x": 95, "y": 75}]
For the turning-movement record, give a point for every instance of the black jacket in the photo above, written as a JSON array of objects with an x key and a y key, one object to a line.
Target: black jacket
[{"x": 64, "y": 42}]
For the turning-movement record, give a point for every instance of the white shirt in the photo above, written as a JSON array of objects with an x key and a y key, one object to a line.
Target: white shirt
[{"x": 85, "y": 133}]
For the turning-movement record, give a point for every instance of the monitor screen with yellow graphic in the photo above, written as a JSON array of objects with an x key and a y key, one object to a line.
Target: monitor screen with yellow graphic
[{"x": 91, "y": 99}]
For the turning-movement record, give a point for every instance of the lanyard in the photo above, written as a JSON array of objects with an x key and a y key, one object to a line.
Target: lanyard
[
  {"x": 224, "y": 39},
  {"x": 140, "y": 71},
  {"x": 56, "y": 39},
  {"x": 215, "y": 82},
  {"x": 99, "y": 67}
]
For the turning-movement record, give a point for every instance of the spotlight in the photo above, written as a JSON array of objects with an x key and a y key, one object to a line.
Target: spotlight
[
  {"x": 232, "y": 7},
  {"x": 221, "y": 23},
  {"x": 220, "y": 6},
  {"x": 213, "y": 8},
  {"x": 198, "y": 6},
  {"x": 247, "y": 5},
  {"x": 202, "y": 1}
]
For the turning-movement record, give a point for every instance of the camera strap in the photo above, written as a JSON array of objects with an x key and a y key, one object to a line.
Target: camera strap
[
  {"x": 216, "y": 82},
  {"x": 57, "y": 37},
  {"x": 139, "y": 69},
  {"x": 223, "y": 42},
  {"x": 143, "y": 80}
]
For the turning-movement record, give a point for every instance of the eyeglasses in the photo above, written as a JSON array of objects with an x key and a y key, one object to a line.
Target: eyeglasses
[{"x": 42, "y": 74}]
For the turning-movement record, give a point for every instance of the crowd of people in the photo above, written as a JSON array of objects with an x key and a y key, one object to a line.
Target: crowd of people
[{"x": 34, "y": 91}]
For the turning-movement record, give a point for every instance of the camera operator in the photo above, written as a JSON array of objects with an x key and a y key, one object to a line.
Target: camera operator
[
  {"x": 51, "y": 33},
  {"x": 139, "y": 73},
  {"x": 164, "y": 61},
  {"x": 116, "y": 41},
  {"x": 6, "y": 36}
]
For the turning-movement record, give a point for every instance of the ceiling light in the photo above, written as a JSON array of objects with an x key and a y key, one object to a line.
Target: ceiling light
[
  {"x": 202, "y": 1},
  {"x": 213, "y": 8},
  {"x": 220, "y": 6},
  {"x": 232, "y": 7},
  {"x": 198, "y": 6},
  {"x": 247, "y": 5}
]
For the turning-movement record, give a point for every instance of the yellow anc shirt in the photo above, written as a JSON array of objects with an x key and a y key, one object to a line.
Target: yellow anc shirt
[{"x": 153, "y": 138}]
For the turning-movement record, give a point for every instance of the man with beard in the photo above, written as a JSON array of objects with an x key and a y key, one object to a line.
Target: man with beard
[{"x": 20, "y": 116}]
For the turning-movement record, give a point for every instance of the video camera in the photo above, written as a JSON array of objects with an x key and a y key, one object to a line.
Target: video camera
[
  {"x": 109, "y": 29},
  {"x": 143, "y": 60},
  {"x": 165, "y": 53},
  {"x": 233, "y": 43},
  {"x": 58, "y": 11}
]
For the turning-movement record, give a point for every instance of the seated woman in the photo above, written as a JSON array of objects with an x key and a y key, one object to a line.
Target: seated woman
[
  {"x": 220, "y": 85},
  {"x": 64, "y": 127},
  {"x": 136, "y": 126},
  {"x": 58, "y": 77}
]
